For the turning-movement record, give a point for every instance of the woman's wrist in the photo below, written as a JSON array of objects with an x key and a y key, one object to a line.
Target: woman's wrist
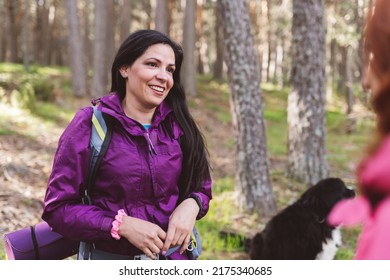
[
  {"x": 116, "y": 224},
  {"x": 197, "y": 200}
]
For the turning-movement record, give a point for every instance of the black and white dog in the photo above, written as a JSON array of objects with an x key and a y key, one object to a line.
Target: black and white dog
[{"x": 300, "y": 231}]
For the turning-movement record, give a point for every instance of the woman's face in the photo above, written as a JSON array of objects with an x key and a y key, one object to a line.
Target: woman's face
[
  {"x": 150, "y": 77},
  {"x": 371, "y": 81}
]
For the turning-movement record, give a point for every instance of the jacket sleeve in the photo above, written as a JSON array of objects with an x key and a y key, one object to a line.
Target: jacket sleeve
[
  {"x": 63, "y": 209},
  {"x": 203, "y": 197}
]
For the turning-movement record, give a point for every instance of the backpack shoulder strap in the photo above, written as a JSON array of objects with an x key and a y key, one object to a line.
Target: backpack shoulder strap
[
  {"x": 102, "y": 126},
  {"x": 99, "y": 132}
]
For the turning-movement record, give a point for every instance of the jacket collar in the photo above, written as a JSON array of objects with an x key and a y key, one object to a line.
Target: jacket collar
[{"x": 111, "y": 105}]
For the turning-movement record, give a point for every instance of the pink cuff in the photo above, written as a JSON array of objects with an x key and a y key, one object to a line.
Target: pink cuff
[{"x": 116, "y": 223}]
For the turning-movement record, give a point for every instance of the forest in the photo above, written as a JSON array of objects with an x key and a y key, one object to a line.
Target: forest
[{"x": 274, "y": 86}]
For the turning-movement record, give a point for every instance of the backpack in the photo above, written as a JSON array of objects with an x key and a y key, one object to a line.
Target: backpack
[{"x": 102, "y": 125}]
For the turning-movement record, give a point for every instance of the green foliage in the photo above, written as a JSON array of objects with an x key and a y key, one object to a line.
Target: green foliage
[
  {"x": 11, "y": 68},
  {"x": 222, "y": 185},
  {"x": 43, "y": 89},
  {"x": 275, "y": 115},
  {"x": 24, "y": 88},
  {"x": 51, "y": 113},
  {"x": 215, "y": 97}
]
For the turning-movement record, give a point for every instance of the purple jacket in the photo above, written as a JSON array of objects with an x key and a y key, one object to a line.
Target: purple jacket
[{"x": 131, "y": 177}]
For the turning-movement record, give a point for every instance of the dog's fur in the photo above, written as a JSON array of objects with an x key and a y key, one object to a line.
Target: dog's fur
[{"x": 300, "y": 231}]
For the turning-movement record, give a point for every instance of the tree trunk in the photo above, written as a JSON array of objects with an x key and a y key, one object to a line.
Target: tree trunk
[
  {"x": 161, "y": 20},
  {"x": 218, "y": 64},
  {"x": 76, "y": 48},
  {"x": 110, "y": 48},
  {"x": 253, "y": 179},
  {"x": 306, "y": 103},
  {"x": 12, "y": 31},
  {"x": 26, "y": 50},
  {"x": 360, "y": 18},
  {"x": 148, "y": 20},
  {"x": 201, "y": 47},
  {"x": 3, "y": 41},
  {"x": 350, "y": 97},
  {"x": 285, "y": 62},
  {"x": 100, "y": 60},
  {"x": 44, "y": 44},
  {"x": 270, "y": 42},
  {"x": 175, "y": 12},
  {"x": 332, "y": 73},
  {"x": 86, "y": 25},
  {"x": 189, "y": 40},
  {"x": 125, "y": 19}
]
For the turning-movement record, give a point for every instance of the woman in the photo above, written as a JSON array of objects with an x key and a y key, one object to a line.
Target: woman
[
  {"x": 154, "y": 181},
  {"x": 372, "y": 208}
]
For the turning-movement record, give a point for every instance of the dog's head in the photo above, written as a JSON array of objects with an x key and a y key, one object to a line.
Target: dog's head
[{"x": 325, "y": 194}]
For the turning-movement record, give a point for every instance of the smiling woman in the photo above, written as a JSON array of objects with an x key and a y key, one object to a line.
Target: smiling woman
[
  {"x": 154, "y": 181},
  {"x": 148, "y": 82}
]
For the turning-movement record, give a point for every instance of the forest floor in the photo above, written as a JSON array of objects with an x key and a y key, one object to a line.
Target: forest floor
[{"x": 28, "y": 142}]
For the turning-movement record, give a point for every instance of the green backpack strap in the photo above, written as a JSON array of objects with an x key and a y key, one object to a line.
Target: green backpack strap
[{"x": 102, "y": 125}]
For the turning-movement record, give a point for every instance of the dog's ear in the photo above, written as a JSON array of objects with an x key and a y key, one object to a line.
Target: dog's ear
[
  {"x": 324, "y": 195},
  {"x": 310, "y": 199}
]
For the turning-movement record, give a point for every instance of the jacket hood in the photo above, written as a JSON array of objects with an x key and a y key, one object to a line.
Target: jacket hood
[{"x": 111, "y": 105}]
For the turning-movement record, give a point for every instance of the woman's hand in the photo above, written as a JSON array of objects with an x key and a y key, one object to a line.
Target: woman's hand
[
  {"x": 144, "y": 235},
  {"x": 180, "y": 226}
]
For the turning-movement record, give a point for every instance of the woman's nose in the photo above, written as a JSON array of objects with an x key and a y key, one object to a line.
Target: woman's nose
[{"x": 162, "y": 75}]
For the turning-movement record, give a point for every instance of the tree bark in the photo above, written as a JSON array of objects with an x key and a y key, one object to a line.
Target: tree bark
[
  {"x": 100, "y": 60},
  {"x": 189, "y": 40},
  {"x": 307, "y": 155},
  {"x": 253, "y": 179},
  {"x": 161, "y": 20},
  {"x": 125, "y": 19},
  {"x": 76, "y": 49},
  {"x": 3, "y": 41},
  {"x": 11, "y": 6},
  {"x": 218, "y": 64},
  {"x": 26, "y": 50}
]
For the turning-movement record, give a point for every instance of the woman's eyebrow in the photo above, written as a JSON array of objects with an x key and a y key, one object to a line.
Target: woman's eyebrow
[{"x": 159, "y": 60}]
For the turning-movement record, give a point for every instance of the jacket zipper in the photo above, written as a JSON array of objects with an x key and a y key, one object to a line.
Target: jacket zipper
[{"x": 152, "y": 150}]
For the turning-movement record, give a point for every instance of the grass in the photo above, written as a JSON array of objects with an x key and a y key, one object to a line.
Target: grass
[
  {"x": 49, "y": 112},
  {"x": 343, "y": 149}
]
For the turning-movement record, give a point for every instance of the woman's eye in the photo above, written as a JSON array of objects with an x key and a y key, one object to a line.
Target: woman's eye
[
  {"x": 153, "y": 64},
  {"x": 171, "y": 70}
]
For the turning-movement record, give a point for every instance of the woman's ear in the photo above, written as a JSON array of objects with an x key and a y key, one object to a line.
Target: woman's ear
[{"x": 123, "y": 71}]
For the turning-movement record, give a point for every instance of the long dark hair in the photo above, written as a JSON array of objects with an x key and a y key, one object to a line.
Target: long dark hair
[{"x": 195, "y": 168}]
